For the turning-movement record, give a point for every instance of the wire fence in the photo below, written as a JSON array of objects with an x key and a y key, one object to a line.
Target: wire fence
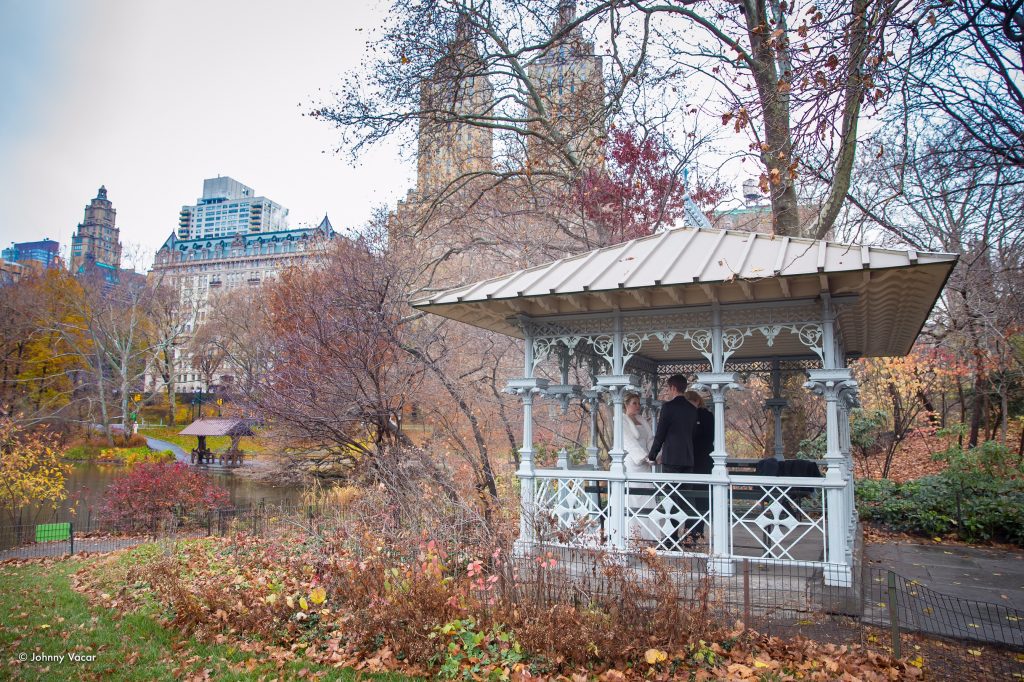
[{"x": 882, "y": 610}]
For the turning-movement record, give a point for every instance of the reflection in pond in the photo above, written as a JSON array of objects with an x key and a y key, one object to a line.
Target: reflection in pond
[{"x": 87, "y": 482}]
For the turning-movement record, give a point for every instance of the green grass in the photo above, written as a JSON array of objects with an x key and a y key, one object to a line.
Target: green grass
[
  {"x": 82, "y": 453},
  {"x": 104, "y": 454},
  {"x": 41, "y": 614},
  {"x": 186, "y": 443}
]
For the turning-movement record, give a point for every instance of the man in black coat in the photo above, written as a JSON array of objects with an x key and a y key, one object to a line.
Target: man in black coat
[
  {"x": 674, "y": 439},
  {"x": 674, "y": 434}
]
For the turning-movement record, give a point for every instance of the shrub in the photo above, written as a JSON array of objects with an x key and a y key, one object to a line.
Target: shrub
[
  {"x": 153, "y": 493},
  {"x": 136, "y": 455},
  {"x": 82, "y": 453},
  {"x": 978, "y": 497}
]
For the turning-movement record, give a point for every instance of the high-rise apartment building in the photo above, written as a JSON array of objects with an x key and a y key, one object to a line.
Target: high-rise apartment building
[
  {"x": 41, "y": 254},
  {"x": 227, "y": 208},
  {"x": 96, "y": 242},
  {"x": 570, "y": 84},
  {"x": 449, "y": 147}
]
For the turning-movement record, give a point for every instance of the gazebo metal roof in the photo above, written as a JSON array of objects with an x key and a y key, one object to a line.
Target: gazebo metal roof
[
  {"x": 218, "y": 427},
  {"x": 890, "y": 292}
]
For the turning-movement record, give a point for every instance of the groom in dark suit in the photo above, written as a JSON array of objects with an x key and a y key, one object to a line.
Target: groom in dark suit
[
  {"x": 675, "y": 430},
  {"x": 674, "y": 439}
]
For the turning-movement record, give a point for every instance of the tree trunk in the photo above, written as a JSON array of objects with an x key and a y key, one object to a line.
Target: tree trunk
[
  {"x": 979, "y": 406},
  {"x": 777, "y": 152}
]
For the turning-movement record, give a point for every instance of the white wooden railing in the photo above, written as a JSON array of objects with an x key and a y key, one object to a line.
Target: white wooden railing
[{"x": 797, "y": 521}]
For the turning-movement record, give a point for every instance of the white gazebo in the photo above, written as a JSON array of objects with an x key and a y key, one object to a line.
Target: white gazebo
[{"x": 716, "y": 304}]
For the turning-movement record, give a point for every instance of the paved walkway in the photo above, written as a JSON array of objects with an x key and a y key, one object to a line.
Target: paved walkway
[
  {"x": 979, "y": 573},
  {"x": 972, "y": 592},
  {"x": 157, "y": 444}
]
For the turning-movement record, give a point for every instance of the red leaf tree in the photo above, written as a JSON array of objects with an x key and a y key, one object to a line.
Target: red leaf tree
[
  {"x": 638, "y": 189},
  {"x": 153, "y": 493}
]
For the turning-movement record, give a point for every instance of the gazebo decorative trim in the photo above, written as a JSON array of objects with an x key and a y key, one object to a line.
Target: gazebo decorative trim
[
  {"x": 723, "y": 303},
  {"x": 686, "y": 269}
]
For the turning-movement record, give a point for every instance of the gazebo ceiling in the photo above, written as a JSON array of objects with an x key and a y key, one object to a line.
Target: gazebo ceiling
[{"x": 890, "y": 291}]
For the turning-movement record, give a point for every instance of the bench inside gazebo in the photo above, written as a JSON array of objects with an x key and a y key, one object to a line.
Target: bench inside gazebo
[
  {"x": 204, "y": 428},
  {"x": 717, "y": 306}
]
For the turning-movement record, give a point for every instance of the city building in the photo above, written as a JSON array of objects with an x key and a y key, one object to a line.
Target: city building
[
  {"x": 42, "y": 254},
  {"x": 448, "y": 146},
  {"x": 227, "y": 208},
  {"x": 11, "y": 272},
  {"x": 570, "y": 84},
  {"x": 201, "y": 269},
  {"x": 462, "y": 195},
  {"x": 96, "y": 242}
]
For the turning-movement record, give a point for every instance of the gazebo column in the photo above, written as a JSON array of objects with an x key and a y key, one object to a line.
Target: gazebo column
[
  {"x": 848, "y": 400},
  {"x": 617, "y": 384},
  {"x": 777, "y": 404},
  {"x": 592, "y": 399},
  {"x": 718, "y": 382},
  {"x": 527, "y": 388},
  {"x": 829, "y": 382}
]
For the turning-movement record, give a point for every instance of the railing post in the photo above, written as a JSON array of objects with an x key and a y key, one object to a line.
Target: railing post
[
  {"x": 720, "y": 549},
  {"x": 894, "y": 617},
  {"x": 71, "y": 537},
  {"x": 746, "y": 592},
  {"x": 593, "y": 400}
]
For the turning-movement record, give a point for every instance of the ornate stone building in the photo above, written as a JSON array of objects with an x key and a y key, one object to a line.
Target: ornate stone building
[
  {"x": 448, "y": 146},
  {"x": 570, "y": 87},
  {"x": 96, "y": 242},
  {"x": 200, "y": 269},
  {"x": 469, "y": 214}
]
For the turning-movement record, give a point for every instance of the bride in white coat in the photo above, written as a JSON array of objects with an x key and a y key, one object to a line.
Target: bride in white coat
[{"x": 637, "y": 437}]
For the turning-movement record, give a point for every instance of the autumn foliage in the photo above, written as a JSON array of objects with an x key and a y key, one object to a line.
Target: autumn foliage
[
  {"x": 440, "y": 611},
  {"x": 31, "y": 471},
  {"x": 154, "y": 493},
  {"x": 638, "y": 189}
]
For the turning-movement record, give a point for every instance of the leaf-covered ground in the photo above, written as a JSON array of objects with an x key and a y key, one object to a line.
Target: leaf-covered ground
[
  {"x": 253, "y": 611},
  {"x": 41, "y": 614},
  {"x": 246, "y": 608}
]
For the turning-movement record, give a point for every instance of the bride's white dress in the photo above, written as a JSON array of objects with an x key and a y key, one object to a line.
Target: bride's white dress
[{"x": 637, "y": 441}]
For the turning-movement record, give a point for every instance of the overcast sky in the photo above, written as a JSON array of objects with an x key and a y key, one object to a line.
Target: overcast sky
[{"x": 149, "y": 97}]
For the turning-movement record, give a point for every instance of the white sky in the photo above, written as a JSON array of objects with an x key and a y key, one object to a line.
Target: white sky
[{"x": 149, "y": 97}]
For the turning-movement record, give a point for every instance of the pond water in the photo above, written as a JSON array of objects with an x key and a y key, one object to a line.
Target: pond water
[{"x": 87, "y": 483}]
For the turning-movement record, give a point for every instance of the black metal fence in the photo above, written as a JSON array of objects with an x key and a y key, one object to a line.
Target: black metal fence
[
  {"x": 882, "y": 610},
  {"x": 59, "y": 536}
]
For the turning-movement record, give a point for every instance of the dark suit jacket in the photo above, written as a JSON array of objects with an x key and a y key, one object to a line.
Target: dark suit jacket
[
  {"x": 703, "y": 442},
  {"x": 675, "y": 433}
]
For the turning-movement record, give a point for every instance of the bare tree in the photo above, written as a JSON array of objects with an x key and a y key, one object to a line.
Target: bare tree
[
  {"x": 792, "y": 76},
  {"x": 926, "y": 191},
  {"x": 171, "y": 318},
  {"x": 234, "y": 341},
  {"x": 965, "y": 63}
]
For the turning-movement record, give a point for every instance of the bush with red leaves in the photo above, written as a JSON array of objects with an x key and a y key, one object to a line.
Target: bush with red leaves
[{"x": 154, "y": 493}]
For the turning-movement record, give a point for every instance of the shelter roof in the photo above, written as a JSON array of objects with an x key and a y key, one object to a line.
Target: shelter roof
[
  {"x": 892, "y": 291},
  {"x": 218, "y": 427}
]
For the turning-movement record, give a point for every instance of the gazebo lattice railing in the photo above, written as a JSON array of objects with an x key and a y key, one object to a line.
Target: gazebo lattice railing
[
  {"x": 803, "y": 521},
  {"x": 724, "y": 304}
]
